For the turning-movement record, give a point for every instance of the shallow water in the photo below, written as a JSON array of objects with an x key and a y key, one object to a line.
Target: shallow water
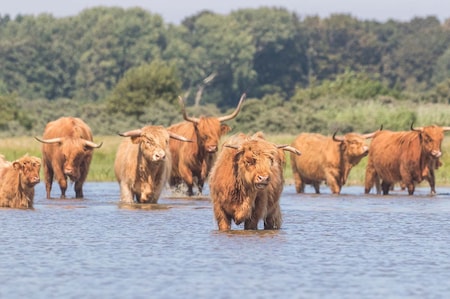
[{"x": 347, "y": 246}]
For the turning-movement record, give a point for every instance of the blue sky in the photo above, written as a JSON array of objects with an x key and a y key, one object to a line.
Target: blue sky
[{"x": 174, "y": 11}]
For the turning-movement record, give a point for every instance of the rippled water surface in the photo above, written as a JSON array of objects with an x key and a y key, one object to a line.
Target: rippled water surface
[{"x": 347, "y": 246}]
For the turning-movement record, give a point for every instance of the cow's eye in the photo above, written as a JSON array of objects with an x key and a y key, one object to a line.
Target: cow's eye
[{"x": 249, "y": 162}]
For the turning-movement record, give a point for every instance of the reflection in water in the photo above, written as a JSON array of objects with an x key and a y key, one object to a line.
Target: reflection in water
[{"x": 347, "y": 246}]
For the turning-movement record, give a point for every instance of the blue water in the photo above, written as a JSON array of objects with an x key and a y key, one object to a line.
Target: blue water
[{"x": 347, "y": 246}]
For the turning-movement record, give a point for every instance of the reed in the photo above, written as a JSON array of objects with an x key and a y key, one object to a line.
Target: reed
[{"x": 102, "y": 166}]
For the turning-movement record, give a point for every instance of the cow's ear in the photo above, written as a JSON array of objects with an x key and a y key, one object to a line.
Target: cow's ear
[
  {"x": 17, "y": 165},
  {"x": 136, "y": 139},
  {"x": 224, "y": 129}
]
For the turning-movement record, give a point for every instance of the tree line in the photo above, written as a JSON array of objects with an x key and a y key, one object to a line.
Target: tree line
[{"x": 120, "y": 67}]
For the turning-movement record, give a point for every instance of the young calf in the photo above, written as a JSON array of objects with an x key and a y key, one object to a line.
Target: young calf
[{"x": 17, "y": 181}]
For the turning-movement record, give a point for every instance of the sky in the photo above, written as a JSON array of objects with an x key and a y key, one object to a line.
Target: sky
[{"x": 174, "y": 11}]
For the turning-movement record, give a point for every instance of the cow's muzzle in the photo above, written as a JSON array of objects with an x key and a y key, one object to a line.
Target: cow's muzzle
[
  {"x": 261, "y": 182},
  {"x": 436, "y": 154},
  {"x": 211, "y": 148}
]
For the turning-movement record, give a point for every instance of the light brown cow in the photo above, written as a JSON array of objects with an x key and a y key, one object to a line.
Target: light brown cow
[
  {"x": 67, "y": 151},
  {"x": 194, "y": 161},
  {"x": 17, "y": 181},
  {"x": 143, "y": 163},
  {"x": 246, "y": 182},
  {"x": 407, "y": 157},
  {"x": 328, "y": 159}
]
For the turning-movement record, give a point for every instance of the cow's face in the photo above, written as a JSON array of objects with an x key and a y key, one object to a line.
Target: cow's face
[
  {"x": 354, "y": 146},
  {"x": 209, "y": 130},
  {"x": 153, "y": 144},
  {"x": 30, "y": 168},
  {"x": 431, "y": 138},
  {"x": 255, "y": 162},
  {"x": 75, "y": 153}
]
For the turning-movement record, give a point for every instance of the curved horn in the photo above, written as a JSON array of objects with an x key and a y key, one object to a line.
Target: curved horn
[
  {"x": 49, "y": 141},
  {"x": 236, "y": 111},
  {"x": 289, "y": 148},
  {"x": 446, "y": 128},
  {"x": 338, "y": 139},
  {"x": 178, "y": 137},
  {"x": 183, "y": 110},
  {"x": 132, "y": 133},
  {"x": 92, "y": 144},
  {"x": 369, "y": 135},
  {"x": 418, "y": 129},
  {"x": 231, "y": 146}
]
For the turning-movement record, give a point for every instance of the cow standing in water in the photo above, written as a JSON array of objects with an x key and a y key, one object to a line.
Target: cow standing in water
[
  {"x": 143, "y": 163},
  {"x": 246, "y": 182},
  {"x": 17, "y": 181},
  {"x": 193, "y": 161},
  {"x": 328, "y": 159},
  {"x": 67, "y": 151},
  {"x": 407, "y": 157}
]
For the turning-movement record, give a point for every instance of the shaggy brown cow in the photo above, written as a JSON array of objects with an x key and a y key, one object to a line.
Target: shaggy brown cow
[
  {"x": 328, "y": 159},
  {"x": 194, "y": 161},
  {"x": 67, "y": 153},
  {"x": 407, "y": 157},
  {"x": 143, "y": 163},
  {"x": 17, "y": 181},
  {"x": 246, "y": 182}
]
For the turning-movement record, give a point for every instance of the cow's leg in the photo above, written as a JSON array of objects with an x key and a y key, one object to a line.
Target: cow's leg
[
  {"x": 299, "y": 184},
  {"x": 188, "y": 178},
  {"x": 126, "y": 195},
  {"x": 432, "y": 181},
  {"x": 223, "y": 220},
  {"x": 48, "y": 175},
  {"x": 273, "y": 219},
  {"x": 62, "y": 181},
  {"x": 332, "y": 182},
  {"x": 316, "y": 187},
  {"x": 385, "y": 186},
  {"x": 370, "y": 178},
  {"x": 411, "y": 187}
]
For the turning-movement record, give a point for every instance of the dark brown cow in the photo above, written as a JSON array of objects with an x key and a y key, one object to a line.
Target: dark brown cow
[
  {"x": 17, "y": 181},
  {"x": 67, "y": 153},
  {"x": 328, "y": 159},
  {"x": 143, "y": 163},
  {"x": 194, "y": 160},
  {"x": 246, "y": 182},
  {"x": 407, "y": 157}
]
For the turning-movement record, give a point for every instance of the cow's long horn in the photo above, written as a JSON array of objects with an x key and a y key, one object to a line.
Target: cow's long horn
[
  {"x": 183, "y": 109},
  {"x": 289, "y": 148},
  {"x": 418, "y": 129},
  {"x": 369, "y": 135},
  {"x": 236, "y": 111},
  {"x": 338, "y": 139},
  {"x": 446, "y": 129},
  {"x": 178, "y": 137},
  {"x": 92, "y": 144},
  {"x": 49, "y": 141},
  {"x": 132, "y": 133},
  {"x": 231, "y": 146}
]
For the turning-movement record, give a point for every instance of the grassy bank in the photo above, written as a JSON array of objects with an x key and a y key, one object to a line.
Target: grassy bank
[{"x": 102, "y": 166}]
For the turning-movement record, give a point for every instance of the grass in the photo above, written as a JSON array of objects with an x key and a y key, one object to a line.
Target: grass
[{"x": 102, "y": 166}]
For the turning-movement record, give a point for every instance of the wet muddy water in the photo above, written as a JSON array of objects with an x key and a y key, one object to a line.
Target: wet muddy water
[{"x": 347, "y": 246}]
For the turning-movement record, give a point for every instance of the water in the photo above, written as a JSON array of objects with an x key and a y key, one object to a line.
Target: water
[{"x": 347, "y": 246}]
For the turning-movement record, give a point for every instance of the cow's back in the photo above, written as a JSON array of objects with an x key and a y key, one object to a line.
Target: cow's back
[
  {"x": 317, "y": 154},
  {"x": 391, "y": 151},
  {"x": 68, "y": 127}
]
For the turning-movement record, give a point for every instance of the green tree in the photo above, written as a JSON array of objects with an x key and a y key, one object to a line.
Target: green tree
[{"x": 141, "y": 86}]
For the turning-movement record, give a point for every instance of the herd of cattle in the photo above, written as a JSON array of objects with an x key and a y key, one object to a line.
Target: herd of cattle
[{"x": 245, "y": 177}]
